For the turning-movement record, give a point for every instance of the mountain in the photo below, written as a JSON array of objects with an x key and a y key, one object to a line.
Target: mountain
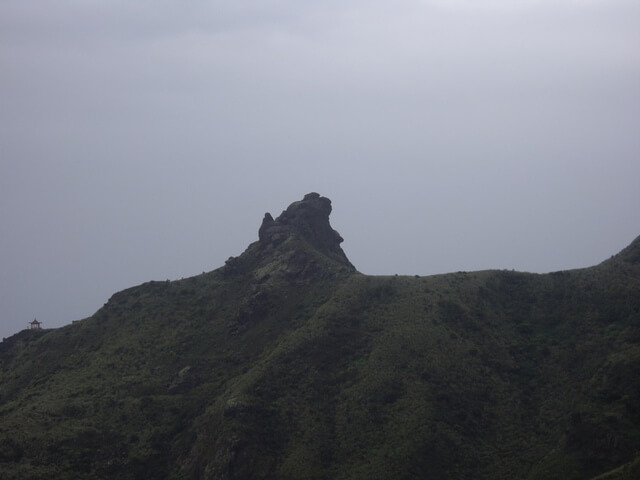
[{"x": 287, "y": 363}]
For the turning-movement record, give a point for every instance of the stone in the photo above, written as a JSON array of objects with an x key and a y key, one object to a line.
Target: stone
[
  {"x": 309, "y": 219},
  {"x": 298, "y": 245}
]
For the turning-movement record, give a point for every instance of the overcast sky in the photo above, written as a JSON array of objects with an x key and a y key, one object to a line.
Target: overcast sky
[{"x": 145, "y": 140}]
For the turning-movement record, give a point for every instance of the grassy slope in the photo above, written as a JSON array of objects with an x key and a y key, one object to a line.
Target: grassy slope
[{"x": 251, "y": 372}]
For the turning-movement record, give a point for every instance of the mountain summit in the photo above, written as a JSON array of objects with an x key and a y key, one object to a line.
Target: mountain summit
[
  {"x": 299, "y": 243},
  {"x": 308, "y": 218}
]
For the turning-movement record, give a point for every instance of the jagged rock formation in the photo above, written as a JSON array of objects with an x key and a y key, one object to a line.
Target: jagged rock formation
[
  {"x": 308, "y": 218},
  {"x": 299, "y": 244}
]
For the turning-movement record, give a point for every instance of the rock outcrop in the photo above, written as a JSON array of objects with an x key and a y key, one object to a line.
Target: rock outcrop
[
  {"x": 307, "y": 219},
  {"x": 298, "y": 243}
]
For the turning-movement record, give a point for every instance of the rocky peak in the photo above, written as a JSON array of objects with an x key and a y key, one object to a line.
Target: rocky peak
[
  {"x": 307, "y": 219},
  {"x": 298, "y": 244}
]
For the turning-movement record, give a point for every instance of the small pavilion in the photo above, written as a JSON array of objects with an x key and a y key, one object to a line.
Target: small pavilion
[{"x": 35, "y": 325}]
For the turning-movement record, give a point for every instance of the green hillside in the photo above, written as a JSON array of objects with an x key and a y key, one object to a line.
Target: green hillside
[{"x": 287, "y": 363}]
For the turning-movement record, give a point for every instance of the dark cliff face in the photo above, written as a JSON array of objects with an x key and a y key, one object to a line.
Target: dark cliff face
[
  {"x": 300, "y": 242},
  {"x": 308, "y": 219}
]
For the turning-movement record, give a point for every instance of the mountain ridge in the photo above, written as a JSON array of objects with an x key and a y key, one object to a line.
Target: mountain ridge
[{"x": 288, "y": 363}]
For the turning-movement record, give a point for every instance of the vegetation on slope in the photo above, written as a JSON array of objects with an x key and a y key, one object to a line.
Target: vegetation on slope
[{"x": 287, "y": 363}]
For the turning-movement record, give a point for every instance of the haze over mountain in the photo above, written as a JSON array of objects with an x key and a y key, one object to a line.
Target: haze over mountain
[{"x": 288, "y": 363}]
